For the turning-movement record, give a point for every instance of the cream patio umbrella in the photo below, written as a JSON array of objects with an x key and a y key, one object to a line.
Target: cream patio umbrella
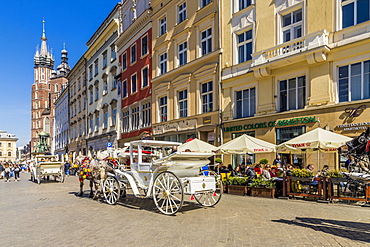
[
  {"x": 246, "y": 144},
  {"x": 314, "y": 141},
  {"x": 197, "y": 145},
  {"x": 317, "y": 139}
]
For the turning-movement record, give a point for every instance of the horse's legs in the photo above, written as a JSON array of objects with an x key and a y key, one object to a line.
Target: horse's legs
[
  {"x": 91, "y": 189},
  {"x": 97, "y": 190},
  {"x": 81, "y": 187}
]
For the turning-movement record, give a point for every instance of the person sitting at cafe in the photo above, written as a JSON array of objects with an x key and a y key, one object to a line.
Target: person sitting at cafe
[
  {"x": 258, "y": 169},
  {"x": 265, "y": 173}
]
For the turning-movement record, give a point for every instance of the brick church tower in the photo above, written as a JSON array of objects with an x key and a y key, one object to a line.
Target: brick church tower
[{"x": 45, "y": 88}]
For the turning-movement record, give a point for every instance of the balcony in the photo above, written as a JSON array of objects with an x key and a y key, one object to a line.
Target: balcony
[{"x": 312, "y": 48}]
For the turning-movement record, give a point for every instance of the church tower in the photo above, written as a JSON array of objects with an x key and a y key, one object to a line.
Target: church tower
[{"x": 46, "y": 85}]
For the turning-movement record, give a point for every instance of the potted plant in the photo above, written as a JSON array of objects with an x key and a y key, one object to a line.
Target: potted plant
[
  {"x": 263, "y": 188},
  {"x": 237, "y": 185},
  {"x": 264, "y": 161},
  {"x": 337, "y": 176},
  {"x": 302, "y": 175},
  {"x": 218, "y": 160}
]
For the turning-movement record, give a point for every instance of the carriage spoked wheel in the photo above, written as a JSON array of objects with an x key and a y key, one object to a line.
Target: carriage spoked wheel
[
  {"x": 61, "y": 178},
  {"x": 210, "y": 198},
  {"x": 168, "y": 193},
  {"x": 111, "y": 190}
]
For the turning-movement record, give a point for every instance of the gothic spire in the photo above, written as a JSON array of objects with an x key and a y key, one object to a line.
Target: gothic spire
[{"x": 43, "y": 57}]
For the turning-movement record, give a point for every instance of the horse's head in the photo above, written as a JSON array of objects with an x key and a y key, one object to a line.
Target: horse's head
[{"x": 359, "y": 145}]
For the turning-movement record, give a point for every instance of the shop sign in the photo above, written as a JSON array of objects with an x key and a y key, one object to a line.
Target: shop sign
[
  {"x": 355, "y": 111},
  {"x": 207, "y": 120},
  {"x": 170, "y": 127},
  {"x": 278, "y": 123},
  {"x": 353, "y": 126},
  {"x": 157, "y": 129},
  {"x": 211, "y": 136},
  {"x": 187, "y": 124}
]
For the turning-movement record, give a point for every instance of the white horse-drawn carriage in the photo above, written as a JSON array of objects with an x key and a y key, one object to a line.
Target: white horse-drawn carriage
[
  {"x": 46, "y": 166},
  {"x": 154, "y": 173}
]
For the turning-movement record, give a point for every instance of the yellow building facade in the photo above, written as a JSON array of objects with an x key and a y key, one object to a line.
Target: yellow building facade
[
  {"x": 185, "y": 72},
  {"x": 291, "y": 66},
  {"x": 8, "y": 144}
]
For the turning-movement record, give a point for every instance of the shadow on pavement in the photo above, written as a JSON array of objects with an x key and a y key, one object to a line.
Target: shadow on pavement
[
  {"x": 132, "y": 202},
  {"x": 347, "y": 229}
]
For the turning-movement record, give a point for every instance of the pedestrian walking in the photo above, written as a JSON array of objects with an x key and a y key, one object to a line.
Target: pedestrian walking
[
  {"x": 7, "y": 172},
  {"x": 16, "y": 172},
  {"x": 67, "y": 166}
]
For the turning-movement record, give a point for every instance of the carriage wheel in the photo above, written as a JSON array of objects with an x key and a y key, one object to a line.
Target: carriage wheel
[
  {"x": 210, "y": 198},
  {"x": 61, "y": 178},
  {"x": 111, "y": 190},
  {"x": 168, "y": 193}
]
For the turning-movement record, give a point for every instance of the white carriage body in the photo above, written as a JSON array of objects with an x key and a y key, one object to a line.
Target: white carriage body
[{"x": 50, "y": 167}]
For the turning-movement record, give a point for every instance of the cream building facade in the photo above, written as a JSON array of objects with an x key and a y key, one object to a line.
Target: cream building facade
[
  {"x": 102, "y": 87},
  {"x": 8, "y": 147},
  {"x": 290, "y": 66},
  {"x": 186, "y": 89}
]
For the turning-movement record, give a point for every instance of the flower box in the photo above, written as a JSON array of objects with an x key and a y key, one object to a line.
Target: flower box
[
  {"x": 263, "y": 192},
  {"x": 338, "y": 180},
  {"x": 237, "y": 190},
  {"x": 302, "y": 179}
]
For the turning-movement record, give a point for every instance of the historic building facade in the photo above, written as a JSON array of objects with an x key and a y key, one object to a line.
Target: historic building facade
[
  {"x": 61, "y": 123},
  {"x": 102, "y": 87},
  {"x": 135, "y": 55},
  {"x": 46, "y": 86},
  {"x": 185, "y": 86},
  {"x": 7, "y": 146},
  {"x": 77, "y": 98},
  {"x": 292, "y": 66}
]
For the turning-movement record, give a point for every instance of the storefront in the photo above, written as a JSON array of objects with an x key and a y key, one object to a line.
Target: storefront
[{"x": 281, "y": 127}]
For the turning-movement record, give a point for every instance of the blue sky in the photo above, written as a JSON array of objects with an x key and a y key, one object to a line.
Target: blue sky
[{"x": 70, "y": 22}]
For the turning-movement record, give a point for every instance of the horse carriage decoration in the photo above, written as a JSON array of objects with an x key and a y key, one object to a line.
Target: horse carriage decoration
[{"x": 156, "y": 173}]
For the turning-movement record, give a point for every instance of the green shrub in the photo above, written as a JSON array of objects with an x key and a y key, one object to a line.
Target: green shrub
[
  {"x": 302, "y": 173},
  {"x": 335, "y": 173},
  {"x": 259, "y": 182},
  {"x": 264, "y": 161},
  {"x": 238, "y": 181}
]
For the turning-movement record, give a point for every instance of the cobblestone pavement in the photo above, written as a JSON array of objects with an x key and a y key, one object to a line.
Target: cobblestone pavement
[{"x": 50, "y": 214}]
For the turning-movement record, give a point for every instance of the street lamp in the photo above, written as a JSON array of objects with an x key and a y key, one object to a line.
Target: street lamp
[{"x": 110, "y": 147}]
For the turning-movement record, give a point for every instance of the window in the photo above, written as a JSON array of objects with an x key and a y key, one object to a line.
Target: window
[
  {"x": 244, "y": 3},
  {"x": 105, "y": 88},
  {"x": 207, "y": 97},
  {"x": 96, "y": 63},
  {"x": 90, "y": 72},
  {"x": 354, "y": 81},
  {"x": 91, "y": 124},
  {"x": 144, "y": 45},
  {"x": 183, "y": 48},
  {"x": 163, "y": 109},
  {"x": 286, "y": 134},
  {"x": 105, "y": 59},
  {"x": 84, "y": 102},
  {"x": 245, "y": 103},
  {"x": 79, "y": 106},
  {"x": 355, "y": 12},
  {"x": 114, "y": 84},
  {"x": 133, "y": 83},
  {"x": 163, "y": 63},
  {"x": 245, "y": 46},
  {"x": 146, "y": 114},
  {"x": 114, "y": 116},
  {"x": 124, "y": 61},
  {"x": 80, "y": 130},
  {"x": 125, "y": 121},
  {"x": 9, "y": 145},
  {"x": 113, "y": 54},
  {"x": 204, "y": 3},
  {"x": 206, "y": 41},
  {"x": 9, "y": 154},
  {"x": 124, "y": 89},
  {"x": 181, "y": 12},
  {"x": 293, "y": 93},
  {"x": 91, "y": 96},
  {"x": 79, "y": 85},
  {"x": 145, "y": 77},
  {"x": 96, "y": 92},
  {"x": 106, "y": 119},
  {"x": 133, "y": 54},
  {"x": 292, "y": 25},
  {"x": 162, "y": 26},
  {"x": 135, "y": 118},
  {"x": 97, "y": 122},
  {"x": 183, "y": 103}
]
